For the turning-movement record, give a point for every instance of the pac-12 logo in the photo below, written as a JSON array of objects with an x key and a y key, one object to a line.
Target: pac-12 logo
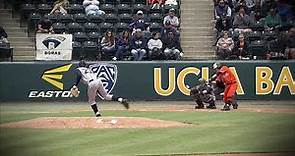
[
  {"x": 53, "y": 41},
  {"x": 107, "y": 73}
]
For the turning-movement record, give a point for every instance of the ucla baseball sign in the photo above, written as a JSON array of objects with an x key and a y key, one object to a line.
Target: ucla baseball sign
[
  {"x": 265, "y": 84},
  {"x": 54, "y": 46},
  {"x": 151, "y": 80}
]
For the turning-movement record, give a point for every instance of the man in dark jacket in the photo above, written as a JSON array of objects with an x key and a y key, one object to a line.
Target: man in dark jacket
[
  {"x": 138, "y": 45},
  {"x": 172, "y": 48}
]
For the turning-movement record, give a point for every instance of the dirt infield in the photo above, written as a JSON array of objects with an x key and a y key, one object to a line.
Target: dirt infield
[{"x": 90, "y": 122}]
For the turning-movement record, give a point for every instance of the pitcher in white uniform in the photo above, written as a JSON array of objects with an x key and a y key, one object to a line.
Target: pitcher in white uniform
[{"x": 95, "y": 86}]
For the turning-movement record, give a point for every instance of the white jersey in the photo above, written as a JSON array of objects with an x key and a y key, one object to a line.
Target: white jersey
[{"x": 87, "y": 75}]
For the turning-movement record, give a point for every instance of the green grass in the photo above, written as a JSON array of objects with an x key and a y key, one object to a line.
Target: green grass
[{"x": 212, "y": 133}]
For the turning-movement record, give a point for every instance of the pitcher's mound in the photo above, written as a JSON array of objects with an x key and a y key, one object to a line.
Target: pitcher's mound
[{"x": 90, "y": 122}]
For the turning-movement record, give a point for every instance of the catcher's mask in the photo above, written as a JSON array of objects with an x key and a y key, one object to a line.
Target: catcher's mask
[{"x": 82, "y": 63}]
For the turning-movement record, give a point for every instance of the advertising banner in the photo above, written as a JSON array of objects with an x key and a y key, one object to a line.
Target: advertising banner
[
  {"x": 169, "y": 80},
  {"x": 53, "y": 46}
]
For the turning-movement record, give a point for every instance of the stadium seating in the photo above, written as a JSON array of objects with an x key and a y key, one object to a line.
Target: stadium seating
[
  {"x": 125, "y": 18},
  {"x": 119, "y": 15},
  {"x": 90, "y": 50},
  {"x": 94, "y": 36},
  {"x": 75, "y": 9},
  {"x": 74, "y": 27},
  {"x": 111, "y": 18},
  {"x": 155, "y": 27},
  {"x": 258, "y": 49},
  {"x": 96, "y": 18},
  {"x": 141, "y": 7},
  {"x": 59, "y": 28},
  {"x": 105, "y": 27},
  {"x": 90, "y": 27},
  {"x": 80, "y": 37},
  {"x": 129, "y": 2},
  {"x": 120, "y": 27},
  {"x": 124, "y": 8},
  {"x": 65, "y": 18},
  {"x": 26, "y": 10},
  {"x": 156, "y": 17},
  {"x": 80, "y": 18},
  {"x": 53, "y": 18},
  {"x": 108, "y": 8},
  {"x": 44, "y": 9}
]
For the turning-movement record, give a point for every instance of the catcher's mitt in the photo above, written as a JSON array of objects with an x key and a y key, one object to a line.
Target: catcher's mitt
[{"x": 75, "y": 91}]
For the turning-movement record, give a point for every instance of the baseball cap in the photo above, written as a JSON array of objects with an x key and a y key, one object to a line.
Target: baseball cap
[
  {"x": 172, "y": 10},
  {"x": 139, "y": 12}
]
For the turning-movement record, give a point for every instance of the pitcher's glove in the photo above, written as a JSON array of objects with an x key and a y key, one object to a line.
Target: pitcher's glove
[{"x": 75, "y": 91}]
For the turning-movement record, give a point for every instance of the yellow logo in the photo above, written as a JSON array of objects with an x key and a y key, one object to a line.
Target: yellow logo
[{"x": 54, "y": 75}]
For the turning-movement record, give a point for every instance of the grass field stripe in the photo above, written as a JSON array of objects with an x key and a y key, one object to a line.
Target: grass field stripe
[
  {"x": 53, "y": 82},
  {"x": 59, "y": 69}
]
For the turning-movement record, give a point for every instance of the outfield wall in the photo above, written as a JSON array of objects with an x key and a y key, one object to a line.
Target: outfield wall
[{"x": 50, "y": 81}]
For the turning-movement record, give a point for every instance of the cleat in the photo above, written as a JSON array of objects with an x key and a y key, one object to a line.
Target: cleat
[
  {"x": 235, "y": 106},
  {"x": 199, "y": 107},
  {"x": 99, "y": 118},
  {"x": 125, "y": 103},
  {"x": 211, "y": 107},
  {"x": 226, "y": 107}
]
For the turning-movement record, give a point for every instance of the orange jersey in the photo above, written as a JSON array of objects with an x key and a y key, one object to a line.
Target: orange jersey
[{"x": 226, "y": 76}]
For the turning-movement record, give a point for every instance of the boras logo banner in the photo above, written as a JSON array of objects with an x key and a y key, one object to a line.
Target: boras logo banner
[
  {"x": 55, "y": 78},
  {"x": 54, "y": 46}
]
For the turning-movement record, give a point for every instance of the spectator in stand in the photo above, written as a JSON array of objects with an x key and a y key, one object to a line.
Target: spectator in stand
[
  {"x": 45, "y": 26},
  {"x": 3, "y": 35},
  {"x": 224, "y": 46},
  {"x": 172, "y": 48},
  {"x": 223, "y": 15},
  {"x": 155, "y": 46},
  {"x": 256, "y": 13},
  {"x": 59, "y": 7},
  {"x": 272, "y": 20},
  {"x": 285, "y": 11},
  {"x": 242, "y": 22},
  {"x": 171, "y": 2},
  {"x": 138, "y": 45},
  {"x": 241, "y": 48},
  {"x": 156, "y": 3},
  {"x": 168, "y": 28},
  {"x": 266, "y": 5},
  {"x": 123, "y": 45},
  {"x": 140, "y": 22},
  {"x": 108, "y": 44},
  {"x": 290, "y": 49},
  {"x": 249, "y": 6},
  {"x": 172, "y": 19},
  {"x": 92, "y": 7}
]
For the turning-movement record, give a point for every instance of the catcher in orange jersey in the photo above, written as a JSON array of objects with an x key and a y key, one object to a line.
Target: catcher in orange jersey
[{"x": 225, "y": 76}]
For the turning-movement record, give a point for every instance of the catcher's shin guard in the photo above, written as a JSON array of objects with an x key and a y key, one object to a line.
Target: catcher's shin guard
[
  {"x": 199, "y": 105},
  {"x": 211, "y": 105}
]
